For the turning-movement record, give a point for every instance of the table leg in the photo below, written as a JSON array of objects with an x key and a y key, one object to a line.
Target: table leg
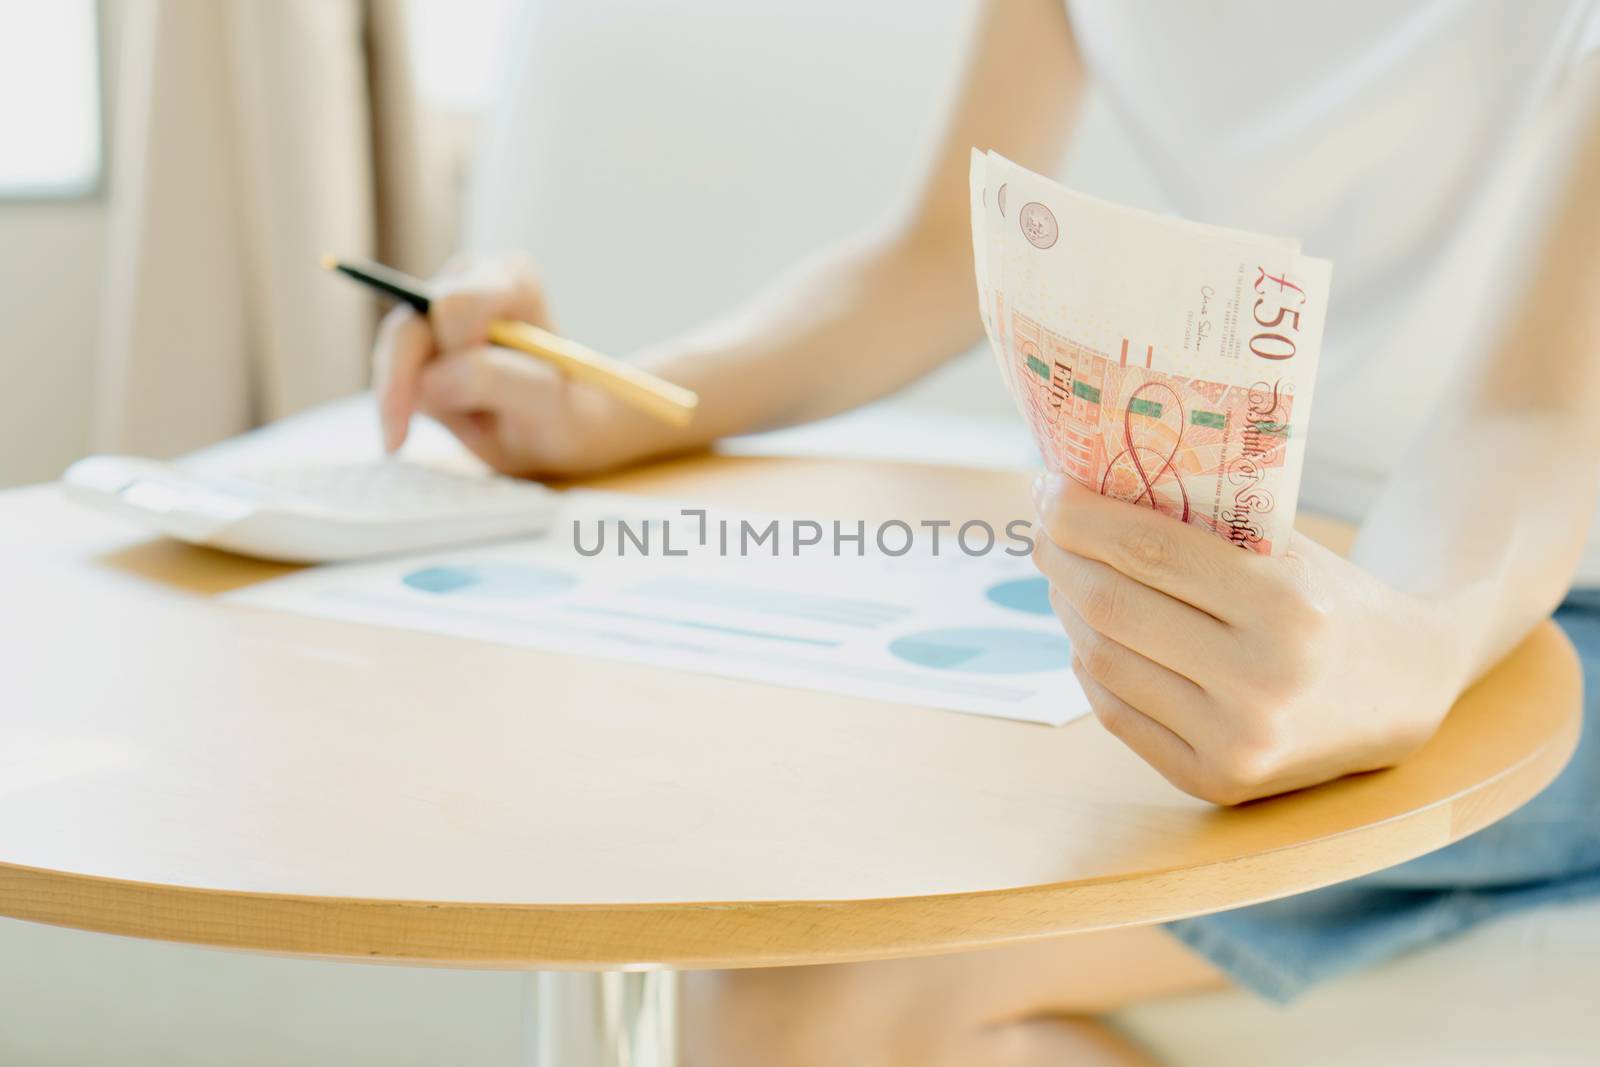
[{"x": 613, "y": 1019}]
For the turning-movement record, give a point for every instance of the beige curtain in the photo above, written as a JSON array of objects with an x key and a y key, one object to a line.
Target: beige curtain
[{"x": 251, "y": 137}]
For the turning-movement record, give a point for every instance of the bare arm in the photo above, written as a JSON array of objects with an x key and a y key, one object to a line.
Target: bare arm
[
  {"x": 1489, "y": 516},
  {"x": 865, "y": 318},
  {"x": 850, "y": 324}
]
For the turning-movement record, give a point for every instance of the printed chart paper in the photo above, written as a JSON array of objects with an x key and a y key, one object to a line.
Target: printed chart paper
[{"x": 942, "y": 629}]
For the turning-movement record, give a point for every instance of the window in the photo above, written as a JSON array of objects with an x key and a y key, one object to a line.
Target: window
[{"x": 50, "y": 143}]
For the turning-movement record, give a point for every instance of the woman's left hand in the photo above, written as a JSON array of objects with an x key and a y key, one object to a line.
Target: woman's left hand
[{"x": 1237, "y": 675}]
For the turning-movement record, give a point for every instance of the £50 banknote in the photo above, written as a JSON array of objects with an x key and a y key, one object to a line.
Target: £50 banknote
[{"x": 1163, "y": 362}]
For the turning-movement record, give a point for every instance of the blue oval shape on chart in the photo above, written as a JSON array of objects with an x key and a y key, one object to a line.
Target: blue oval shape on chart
[
  {"x": 1031, "y": 595},
  {"x": 985, "y": 650},
  {"x": 494, "y": 580}
]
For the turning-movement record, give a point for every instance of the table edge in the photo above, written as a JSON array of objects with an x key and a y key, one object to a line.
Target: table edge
[{"x": 753, "y": 933}]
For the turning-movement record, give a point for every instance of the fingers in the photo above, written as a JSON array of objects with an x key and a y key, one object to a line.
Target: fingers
[
  {"x": 491, "y": 379},
  {"x": 476, "y": 431},
  {"x": 466, "y": 297},
  {"x": 507, "y": 408},
  {"x": 404, "y": 344},
  {"x": 1152, "y": 742},
  {"x": 1160, "y": 694},
  {"x": 465, "y": 303},
  {"x": 1151, "y": 623},
  {"x": 1183, "y": 561}
]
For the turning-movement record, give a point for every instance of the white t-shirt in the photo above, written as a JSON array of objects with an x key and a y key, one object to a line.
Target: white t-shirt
[{"x": 1386, "y": 135}]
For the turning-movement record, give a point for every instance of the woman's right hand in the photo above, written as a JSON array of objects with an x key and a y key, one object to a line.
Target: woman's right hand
[{"x": 514, "y": 411}]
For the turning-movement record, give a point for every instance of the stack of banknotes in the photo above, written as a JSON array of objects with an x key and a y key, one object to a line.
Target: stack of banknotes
[{"x": 1163, "y": 362}]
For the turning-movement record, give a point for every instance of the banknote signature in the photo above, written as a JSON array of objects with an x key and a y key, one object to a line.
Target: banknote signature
[{"x": 1247, "y": 471}]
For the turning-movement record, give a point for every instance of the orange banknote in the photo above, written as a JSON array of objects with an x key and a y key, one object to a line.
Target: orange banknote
[{"x": 1165, "y": 363}]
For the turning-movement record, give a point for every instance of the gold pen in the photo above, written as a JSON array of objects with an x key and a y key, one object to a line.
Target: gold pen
[{"x": 638, "y": 388}]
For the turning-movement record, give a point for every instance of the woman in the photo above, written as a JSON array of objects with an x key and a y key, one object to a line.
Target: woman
[{"x": 1455, "y": 419}]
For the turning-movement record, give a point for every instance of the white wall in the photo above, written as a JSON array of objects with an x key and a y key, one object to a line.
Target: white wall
[
  {"x": 50, "y": 258},
  {"x": 51, "y": 254},
  {"x": 74, "y": 999}
]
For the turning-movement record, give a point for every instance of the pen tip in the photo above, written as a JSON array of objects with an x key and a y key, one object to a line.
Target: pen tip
[{"x": 329, "y": 262}]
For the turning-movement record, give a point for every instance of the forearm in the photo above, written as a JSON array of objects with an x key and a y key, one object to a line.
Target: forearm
[
  {"x": 845, "y": 327},
  {"x": 864, "y": 318},
  {"x": 1488, "y": 524}
]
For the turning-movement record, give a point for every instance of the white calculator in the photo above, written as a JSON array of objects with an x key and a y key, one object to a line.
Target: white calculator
[{"x": 313, "y": 514}]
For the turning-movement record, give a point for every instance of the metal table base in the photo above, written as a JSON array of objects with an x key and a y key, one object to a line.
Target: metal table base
[{"x": 609, "y": 1019}]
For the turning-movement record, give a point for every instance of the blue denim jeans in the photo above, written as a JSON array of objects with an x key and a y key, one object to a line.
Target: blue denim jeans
[{"x": 1546, "y": 851}]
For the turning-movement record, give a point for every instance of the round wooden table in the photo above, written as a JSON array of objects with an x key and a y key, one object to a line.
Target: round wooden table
[{"x": 189, "y": 770}]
